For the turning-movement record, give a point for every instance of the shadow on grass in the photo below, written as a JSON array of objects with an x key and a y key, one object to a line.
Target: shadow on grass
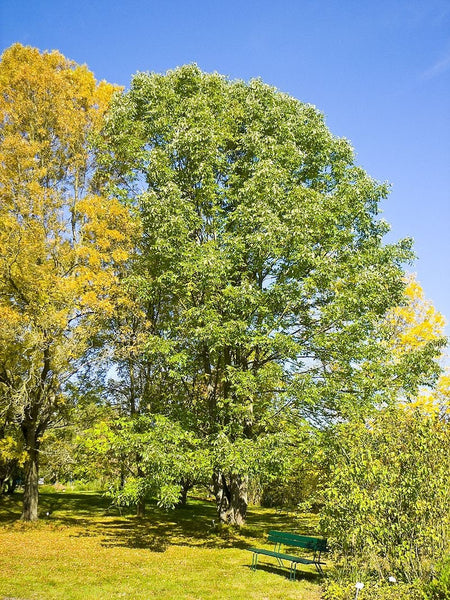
[
  {"x": 68, "y": 508},
  {"x": 10, "y": 508},
  {"x": 277, "y": 570},
  {"x": 90, "y": 514},
  {"x": 188, "y": 526}
]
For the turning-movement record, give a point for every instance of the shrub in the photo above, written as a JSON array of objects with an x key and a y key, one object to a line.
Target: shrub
[
  {"x": 439, "y": 588},
  {"x": 373, "y": 591},
  {"x": 387, "y": 501}
]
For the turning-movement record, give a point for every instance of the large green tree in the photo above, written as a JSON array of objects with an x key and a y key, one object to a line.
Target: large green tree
[{"x": 261, "y": 268}]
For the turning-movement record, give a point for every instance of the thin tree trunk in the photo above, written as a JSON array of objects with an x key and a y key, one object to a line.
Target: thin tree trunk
[
  {"x": 140, "y": 508},
  {"x": 11, "y": 485},
  {"x": 140, "y": 505},
  {"x": 31, "y": 481}
]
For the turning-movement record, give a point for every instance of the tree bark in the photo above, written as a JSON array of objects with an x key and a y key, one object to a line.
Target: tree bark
[
  {"x": 185, "y": 487},
  {"x": 31, "y": 478},
  {"x": 231, "y": 498},
  {"x": 140, "y": 508},
  {"x": 140, "y": 504}
]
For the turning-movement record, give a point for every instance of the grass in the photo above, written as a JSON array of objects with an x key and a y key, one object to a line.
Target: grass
[{"x": 84, "y": 551}]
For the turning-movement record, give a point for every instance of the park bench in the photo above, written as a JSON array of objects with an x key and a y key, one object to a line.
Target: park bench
[{"x": 279, "y": 539}]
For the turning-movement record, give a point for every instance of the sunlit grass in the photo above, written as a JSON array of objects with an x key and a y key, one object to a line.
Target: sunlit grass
[{"x": 83, "y": 550}]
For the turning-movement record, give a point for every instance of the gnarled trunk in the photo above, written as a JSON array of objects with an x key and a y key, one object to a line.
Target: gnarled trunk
[{"x": 231, "y": 497}]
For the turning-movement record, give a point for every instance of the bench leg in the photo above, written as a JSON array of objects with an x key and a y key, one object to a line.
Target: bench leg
[
  {"x": 316, "y": 559},
  {"x": 254, "y": 561},
  {"x": 293, "y": 571}
]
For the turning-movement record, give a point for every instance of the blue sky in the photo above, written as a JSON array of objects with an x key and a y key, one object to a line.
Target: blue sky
[{"x": 379, "y": 70}]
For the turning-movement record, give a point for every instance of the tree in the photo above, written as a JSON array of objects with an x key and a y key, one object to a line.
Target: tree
[
  {"x": 261, "y": 266},
  {"x": 168, "y": 456},
  {"x": 414, "y": 334},
  {"x": 60, "y": 244}
]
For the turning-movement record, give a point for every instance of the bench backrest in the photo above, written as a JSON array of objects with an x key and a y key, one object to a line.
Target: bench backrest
[{"x": 299, "y": 541}]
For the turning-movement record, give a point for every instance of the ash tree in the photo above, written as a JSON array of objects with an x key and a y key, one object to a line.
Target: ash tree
[{"x": 261, "y": 267}]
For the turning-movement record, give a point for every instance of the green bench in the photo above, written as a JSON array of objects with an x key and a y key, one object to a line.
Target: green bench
[{"x": 279, "y": 539}]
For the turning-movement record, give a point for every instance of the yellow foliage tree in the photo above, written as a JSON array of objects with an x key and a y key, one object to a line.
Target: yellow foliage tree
[
  {"x": 436, "y": 401},
  {"x": 417, "y": 322},
  {"x": 61, "y": 245},
  {"x": 414, "y": 335}
]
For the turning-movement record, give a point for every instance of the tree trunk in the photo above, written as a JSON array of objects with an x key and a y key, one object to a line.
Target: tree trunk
[
  {"x": 231, "y": 498},
  {"x": 140, "y": 508},
  {"x": 31, "y": 479},
  {"x": 185, "y": 487},
  {"x": 11, "y": 485},
  {"x": 140, "y": 505}
]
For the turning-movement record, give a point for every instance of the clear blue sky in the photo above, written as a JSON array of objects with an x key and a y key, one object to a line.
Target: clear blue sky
[{"x": 378, "y": 69}]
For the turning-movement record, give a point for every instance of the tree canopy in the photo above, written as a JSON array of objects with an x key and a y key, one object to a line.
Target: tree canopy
[{"x": 261, "y": 270}]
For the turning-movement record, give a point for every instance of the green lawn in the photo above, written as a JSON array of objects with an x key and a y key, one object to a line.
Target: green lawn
[{"x": 84, "y": 551}]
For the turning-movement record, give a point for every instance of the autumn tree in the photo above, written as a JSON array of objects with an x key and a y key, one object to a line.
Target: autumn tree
[
  {"x": 413, "y": 333},
  {"x": 60, "y": 244},
  {"x": 261, "y": 265}
]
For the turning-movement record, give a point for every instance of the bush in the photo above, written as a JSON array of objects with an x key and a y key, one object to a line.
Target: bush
[
  {"x": 387, "y": 501},
  {"x": 299, "y": 484},
  {"x": 373, "y": 591},
  {"x": 439, "y": 588}
]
